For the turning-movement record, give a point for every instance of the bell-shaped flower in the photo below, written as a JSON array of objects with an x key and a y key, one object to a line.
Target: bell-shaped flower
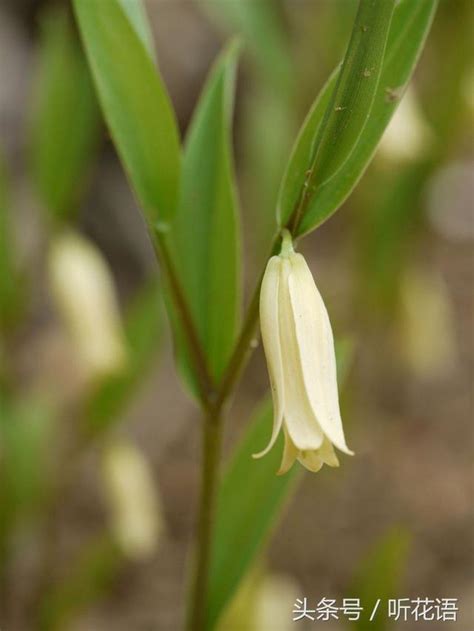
[{"x": 299, "y": 349}]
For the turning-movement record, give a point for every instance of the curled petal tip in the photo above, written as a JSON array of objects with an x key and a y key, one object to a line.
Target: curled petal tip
[{"x": 345, "y": 449}]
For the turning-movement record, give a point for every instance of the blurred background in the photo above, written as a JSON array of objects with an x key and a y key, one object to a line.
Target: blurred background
[{"x": 99, "y": 442}]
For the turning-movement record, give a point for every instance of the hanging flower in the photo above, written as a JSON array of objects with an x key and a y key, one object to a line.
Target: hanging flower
[{"x": 299, "y": 349}]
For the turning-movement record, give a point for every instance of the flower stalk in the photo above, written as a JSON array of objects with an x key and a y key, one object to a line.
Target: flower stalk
[{"x": 211, "y": 447}]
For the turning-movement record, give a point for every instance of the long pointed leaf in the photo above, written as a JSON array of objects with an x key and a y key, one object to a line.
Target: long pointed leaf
[
  {"x": 137, "y": 15},
  {"x": 330, "y": 182},
  {"x": 205, "y": 233},
  {"x": 135, "y": 104}
]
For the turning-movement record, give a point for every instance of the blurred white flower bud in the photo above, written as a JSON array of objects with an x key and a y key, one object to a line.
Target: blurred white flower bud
[
  {"x": 263, "y": 601},
  {"x": 135, "y": 510},
  {"x": 468, "y": 89},
  {"x": 449, "y": 197},
  {"x": 299, "y": 348},
  {"x": 427, "y": 326},
  {"x": 276, "y": 600},
  {"x": 407, "y": 136},
  {"x": 84, "y": 292}
]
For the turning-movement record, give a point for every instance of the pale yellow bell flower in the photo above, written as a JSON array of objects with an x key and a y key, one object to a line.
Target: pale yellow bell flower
[{"x": 299, "y": 348}]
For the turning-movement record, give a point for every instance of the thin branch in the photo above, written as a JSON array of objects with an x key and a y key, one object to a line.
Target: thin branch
[
  {"x": 205, "y": 382},
  {"x": 198, "y": 597}
]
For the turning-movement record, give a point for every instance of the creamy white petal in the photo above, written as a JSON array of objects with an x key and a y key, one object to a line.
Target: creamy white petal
[
  {"x": 327, "y": 453},
  {"x": 300, "y": 419},
  {"x": 310, "y": 460},
  {"x": 315, "y": 348},
  {"x": 271, "y": 344},
  {"x": 290, "y": 453}
]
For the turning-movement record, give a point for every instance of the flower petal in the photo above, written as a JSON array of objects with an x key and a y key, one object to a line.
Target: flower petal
[
  {"x": 271, "y": 343},
  {"x": 290, "y": 453},
  {"x": 316, "y": 351},
  {"x": 327, "y": 453},
  {"x": 300, "y": 419},
  {"x": 310, "y": 460}
]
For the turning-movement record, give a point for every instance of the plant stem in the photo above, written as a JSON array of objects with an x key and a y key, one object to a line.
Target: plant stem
[
  {"x": 211, "y": 446},
  {"x": 242, "y": 350},
  {"x": 205, "y": 381},
  {"x": 212, "y": 433}
]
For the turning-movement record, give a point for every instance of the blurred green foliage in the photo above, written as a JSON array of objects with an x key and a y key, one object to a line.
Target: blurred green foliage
[
  {"x": 388, "y": 230},
  {"x": 36, "y": 459},
  {"x": 261, "y": 25},
  {"x": 379, "y": 578},
  {"x": 91, "y": 576},
  {"x": 10, "y": 290},
  {"x": 65, "y": 118},
  {"x": 143, "y": 331},
  {"x": 28, "y": 432}
]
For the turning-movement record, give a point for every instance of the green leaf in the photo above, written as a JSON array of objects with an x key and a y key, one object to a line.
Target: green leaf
[
  {"x": 135, "y": 104},
  {"x": 136, "y": 13},
  {"x": 379, "y": 577},
  {"x": 143, "y": 330},
  {"x": 351, "y": 100},
  {"x": 297, "y": 171},
  {"x": 205, "y": 232},
  {"x": 65, "y": 118},
  {"x": 245, "y": 520},
  {"x": 344, "y": 140}
]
